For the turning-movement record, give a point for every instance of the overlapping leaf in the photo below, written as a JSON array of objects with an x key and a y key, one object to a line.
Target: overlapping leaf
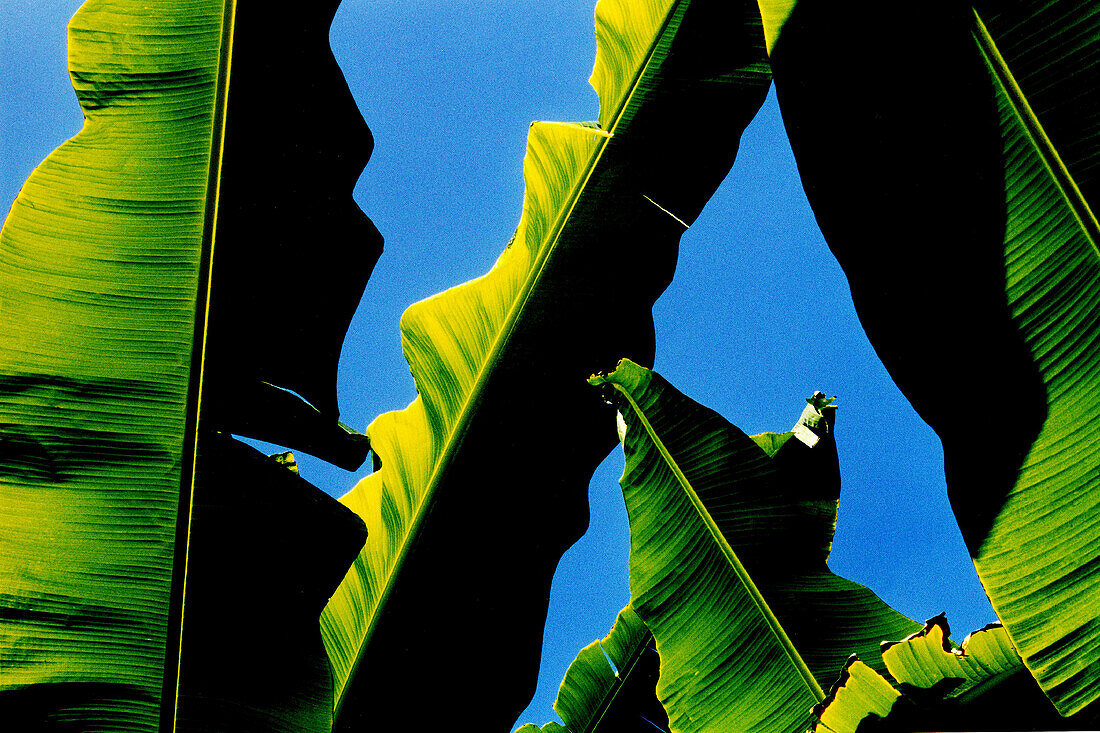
[
  {"x": 729, "y": 538},
  {"x": 610, "y": 685},
  {"x": 926, "y": 658},
  {"x": 478, "y": 493},
  {"x": 106, "y": 314},
  {"x": 958, "y": 191},
  {"x": 980, "y": 686}
]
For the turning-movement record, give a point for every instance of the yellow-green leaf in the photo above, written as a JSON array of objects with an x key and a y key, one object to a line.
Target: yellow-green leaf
[
  {"x": 860, "y": 693},
  {"x": 100, "y": 263},
  {"x": 112, "y": 338},
  {"x": 481, "y": 484},
  {"x": 926, "y": 658}
]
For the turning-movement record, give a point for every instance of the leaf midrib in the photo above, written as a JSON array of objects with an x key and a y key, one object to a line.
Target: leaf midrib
[
  {"x": 1036, "y": 133},
  {"x": 499, "y": 347},
  {"x": 620, "y": 682},
  {"x": 189, "y": 476},
  {"x": 727, "y": 551}
]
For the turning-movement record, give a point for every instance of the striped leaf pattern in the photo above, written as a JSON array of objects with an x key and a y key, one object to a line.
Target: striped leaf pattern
[
  {"x": 99, "y": 273},
  {"x": 729, "y": 537},
  {"x": 981, "y": 685},
  {"x": 610, "y": 685},
  {"x": 1040, "y": 562}
]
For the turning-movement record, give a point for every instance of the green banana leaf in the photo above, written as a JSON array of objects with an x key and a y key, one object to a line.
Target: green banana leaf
[
  {"x": 729, "y": 541},
  {"x": 957, "y": 188},
  {"x": 981, "y": 686},
  {"x": 478, "y": 490},
  {"x": 610, "y": 685},
  {"x": 117, "y": 324}
]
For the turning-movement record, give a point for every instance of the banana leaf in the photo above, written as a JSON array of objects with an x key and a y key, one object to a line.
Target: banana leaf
[
  {"x": 953, "y": 177},
  {"x": 478, "y": 490},
  {"x": 983, "y": 685},
  {"x": 296, "y": 251},
  {"x": 118, "y": 325},
  {"x": 729, "y": 541},
  {"x": 610, "y": 685}
]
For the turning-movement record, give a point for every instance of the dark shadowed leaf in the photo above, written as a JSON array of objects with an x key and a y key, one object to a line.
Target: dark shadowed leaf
[
  {"x": 954, "y": 177},
  {"x": 482, "y": 484}
]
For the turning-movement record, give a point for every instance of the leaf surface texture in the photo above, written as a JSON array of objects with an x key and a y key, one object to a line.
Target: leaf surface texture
[
  {"x": 729, "y": 537},
  {"x": 981, "y": 685},
  {"x": 610, "y": 685},
  {"x": 99, "y": 273}
]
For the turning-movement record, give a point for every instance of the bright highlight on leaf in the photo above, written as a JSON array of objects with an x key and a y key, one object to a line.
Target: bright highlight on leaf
[
  {"x": 775, "y": 14},
  {"x": 626, "y": 33},
  {"x": 610, "y": 685},
  {"x": 860, "y": 693},
  {"x": 603, "y": 209},
  {"x": 980, "y": 686},
  {"x": 926, "y": 658}
]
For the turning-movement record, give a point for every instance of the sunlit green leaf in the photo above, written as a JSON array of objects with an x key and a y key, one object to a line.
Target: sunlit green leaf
[
  {"x": 729, "y": 538},
  {"x": 610, "y": 685},
  {"x": 981, "y": 685},
  {"x": 481, "y": 484},
  {"x": 115, "y": 492},
  {"x": 100, "y": 262},
  {"x": 926, "y": 658}
]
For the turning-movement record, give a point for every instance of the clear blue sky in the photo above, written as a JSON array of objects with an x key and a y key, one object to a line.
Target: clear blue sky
[{"x": 758, "y": 317}]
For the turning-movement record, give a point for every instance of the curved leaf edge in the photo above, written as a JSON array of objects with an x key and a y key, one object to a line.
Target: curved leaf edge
[
  {"x": 560, "y": 159},
  {"x": 939, "y": 686}
]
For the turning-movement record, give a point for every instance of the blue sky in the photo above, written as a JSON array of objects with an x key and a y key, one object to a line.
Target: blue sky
[{"x": 758, "y": 317}]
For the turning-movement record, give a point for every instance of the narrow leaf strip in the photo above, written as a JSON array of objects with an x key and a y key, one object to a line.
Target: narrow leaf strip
[{"x": 550, "y": 727}]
